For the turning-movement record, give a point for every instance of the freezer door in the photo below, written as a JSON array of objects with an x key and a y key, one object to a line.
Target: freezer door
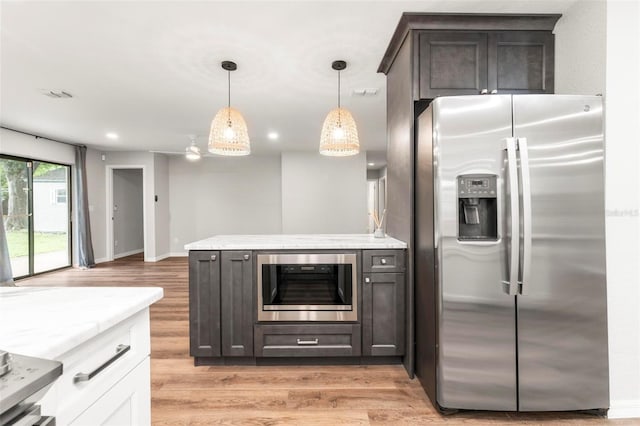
[
  {"x": 562, "y": 312},
  {"x": 476, "y": 367}
]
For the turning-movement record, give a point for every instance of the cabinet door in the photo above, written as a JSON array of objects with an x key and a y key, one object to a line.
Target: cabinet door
[
  {"x": 452, "y": 63},
  {"x": 204, "y": 303},
  {"x": 127, "y": 403},
  {"x": 521, "y": 61},
  {"x": 237, "y": 303},
  {"x": 383, "y": 307}
]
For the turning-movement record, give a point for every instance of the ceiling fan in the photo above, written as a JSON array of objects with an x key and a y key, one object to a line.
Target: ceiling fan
[{"x": 191, "y": 152}]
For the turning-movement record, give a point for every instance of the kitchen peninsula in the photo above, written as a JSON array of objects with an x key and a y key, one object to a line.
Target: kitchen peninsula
[
  {"x": 100, "y": 334},
  {"x": 328, "y": 298}
]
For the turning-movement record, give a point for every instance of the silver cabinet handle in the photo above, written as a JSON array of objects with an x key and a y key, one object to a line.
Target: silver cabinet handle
[
  {"x": 526, "y": 213},
  {"x": 494, "y": 91},
  {"x": 246, "y": 257},
  {"x": 307, "y": 342},
  {"x": 484, "y": 91},
  {"x": 383, "y": 261},
  {"x": 85, "y": 377},
  {"x": 367, "y": 280},
  {"x": 214, "y": 257},
  {"x": 514, "y": 205}
]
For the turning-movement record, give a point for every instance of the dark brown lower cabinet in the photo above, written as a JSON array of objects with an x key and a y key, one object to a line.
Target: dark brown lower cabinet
[
  {"x": 222, "y": 313},
  {"x": 221, "y": 303},
  {"x": 236, "y": 300},
  {"x": 204, "y": 303},
  {"x": 383, "y": 314},
  {"x": 307, "y": 340}
]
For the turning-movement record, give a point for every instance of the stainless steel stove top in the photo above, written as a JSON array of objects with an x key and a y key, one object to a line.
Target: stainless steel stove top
[{"x": 22, "y": 376}]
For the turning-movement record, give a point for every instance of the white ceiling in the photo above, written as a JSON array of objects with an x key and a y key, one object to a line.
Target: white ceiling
[{"x": 150, "y": 70}]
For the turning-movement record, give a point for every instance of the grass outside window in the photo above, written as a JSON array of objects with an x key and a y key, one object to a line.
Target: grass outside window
[{"x": 44, "y": 242}]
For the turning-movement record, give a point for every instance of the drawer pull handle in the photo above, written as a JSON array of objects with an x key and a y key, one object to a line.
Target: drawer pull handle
[
  {"x": 246, "y": 257},
  {"x": 383, "y": 261},
  {"x": 367, "y": 280},
  {"x": 85, "y": 377},
  {"x": 213, "y": 257},
  {"x": 307, "y": 342}
]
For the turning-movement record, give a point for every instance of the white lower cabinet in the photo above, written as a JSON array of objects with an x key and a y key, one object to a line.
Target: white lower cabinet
[
  {"x": 126, "y": 403},
  {"x": 106, "y": 379}
]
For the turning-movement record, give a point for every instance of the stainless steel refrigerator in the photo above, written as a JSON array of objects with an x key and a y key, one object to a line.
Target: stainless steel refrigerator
[{"x": 510, "y": 290}]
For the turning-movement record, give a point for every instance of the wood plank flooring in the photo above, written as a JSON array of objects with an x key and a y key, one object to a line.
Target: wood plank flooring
[{"x": 182, "y": 394}]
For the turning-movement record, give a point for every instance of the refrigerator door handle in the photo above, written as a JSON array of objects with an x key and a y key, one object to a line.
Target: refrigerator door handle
[
  {"x": 526, "y": 214},
  {"x": 511, "y": 286}
]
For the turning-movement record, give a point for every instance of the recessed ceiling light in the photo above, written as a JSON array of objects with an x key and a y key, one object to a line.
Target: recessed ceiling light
[
  {"x": 371, "y": 164},
  {"x": 272, "y": 136},
  {"x": 111, "y": 135}
]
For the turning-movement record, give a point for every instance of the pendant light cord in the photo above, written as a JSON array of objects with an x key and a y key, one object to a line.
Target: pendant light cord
[
  {"x": 339, "y": 118},
  {"x": 229, "y": 97}
]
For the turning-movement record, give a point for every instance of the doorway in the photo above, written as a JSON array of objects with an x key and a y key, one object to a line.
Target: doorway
[
  {"x": 376, "y": 198},
  {"x": 126, "y": 234},
  {"x": 37, "y": 214}
]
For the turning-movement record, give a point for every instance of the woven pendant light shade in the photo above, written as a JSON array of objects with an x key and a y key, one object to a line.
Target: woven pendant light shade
[
  {"x": 229, "y": 135},
  {"x": 339, "y": 137}
]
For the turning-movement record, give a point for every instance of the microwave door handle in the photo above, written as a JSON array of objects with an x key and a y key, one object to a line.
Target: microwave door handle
[
  {"x": 523, "y": 149},
  {"x": 511, "y": 285}
]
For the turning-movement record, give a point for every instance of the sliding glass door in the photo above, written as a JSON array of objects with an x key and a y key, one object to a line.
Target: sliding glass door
[{"x": 36, "y": 211}]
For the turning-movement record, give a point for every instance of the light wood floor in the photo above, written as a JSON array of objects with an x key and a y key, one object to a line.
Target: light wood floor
[{"x": 182, "y": 394}]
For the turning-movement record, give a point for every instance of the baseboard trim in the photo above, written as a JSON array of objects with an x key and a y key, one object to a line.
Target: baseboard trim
[
  {"x": 101, "y": 260},
  {"x": 157, "y": 258},
  {"x": 624, "y": 409},
  {"x": 128, "y": 253},
  {"x": 179, "y": 254}
]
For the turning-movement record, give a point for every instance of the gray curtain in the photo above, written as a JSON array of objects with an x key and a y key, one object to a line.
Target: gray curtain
[
  {"x": 81, "y": 211},
  {"x": 6, "y": 275}
]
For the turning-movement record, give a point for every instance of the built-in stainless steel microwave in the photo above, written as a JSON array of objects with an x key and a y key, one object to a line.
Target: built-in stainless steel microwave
[{"x": 307, "y": 287}]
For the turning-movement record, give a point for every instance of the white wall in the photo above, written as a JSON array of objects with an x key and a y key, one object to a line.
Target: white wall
[
  {"x": 622, "y": 102},
  {"x": 223, "y": 195},
  {"x": 323, "y": 194},
  {"x": 580, "y": 49},
  {"x": 21, "y": 145},
  {"x": 598, "y": 51},
  {"x": 162, "y": 205},
  {"x": 128, "y": 219}
]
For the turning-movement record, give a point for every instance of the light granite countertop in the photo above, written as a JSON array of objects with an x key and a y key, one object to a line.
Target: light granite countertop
[
  {"x": 46, "y": 322},
  {"x": 295, "y": 242}
]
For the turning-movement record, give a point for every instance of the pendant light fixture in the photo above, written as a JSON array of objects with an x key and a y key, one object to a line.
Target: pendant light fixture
[
  {"x": 192, "y": 152},
  {"x": 229, "y": 135},
  {"x": 339, "y": 136}
]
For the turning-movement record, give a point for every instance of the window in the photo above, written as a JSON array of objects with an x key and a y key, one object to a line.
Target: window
[{"x": 60, "y": 196}]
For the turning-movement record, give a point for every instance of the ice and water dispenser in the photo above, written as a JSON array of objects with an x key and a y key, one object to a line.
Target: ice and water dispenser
[{"x": 477, "y": 207}]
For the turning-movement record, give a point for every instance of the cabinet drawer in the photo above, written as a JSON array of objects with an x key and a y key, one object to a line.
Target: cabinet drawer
[
  {"x": 74, "y": 397},
  {"x": 383, "y": 261},
  {"x": 128, "y": 403},
  {"x": 307, "y": 340}
]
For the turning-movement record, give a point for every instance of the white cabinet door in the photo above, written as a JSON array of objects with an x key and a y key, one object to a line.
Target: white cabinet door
[{"x": 127, "y": 403}]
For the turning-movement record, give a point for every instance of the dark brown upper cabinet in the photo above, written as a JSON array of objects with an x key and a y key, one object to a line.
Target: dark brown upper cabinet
[
  {"x": 471, "y": 63},
  {"x": 521, "y": 61},
  {"x": 452, "y": 63},
  {"x": 474, "y": 54}
]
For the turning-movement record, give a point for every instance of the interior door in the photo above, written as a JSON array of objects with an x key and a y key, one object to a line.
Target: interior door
[
  {"x": 476, "y": 366},
  {"x": 562, "y": 327}
]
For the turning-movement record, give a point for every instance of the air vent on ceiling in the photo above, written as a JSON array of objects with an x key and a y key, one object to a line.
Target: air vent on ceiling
[
  {"x": 369, "y": 91},
  {"x": 57, "y": 94}
]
